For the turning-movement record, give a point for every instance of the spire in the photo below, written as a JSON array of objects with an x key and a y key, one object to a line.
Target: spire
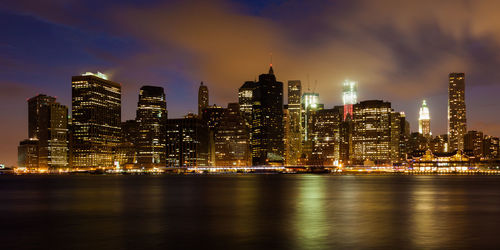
[{"x": 271, "y": 71}]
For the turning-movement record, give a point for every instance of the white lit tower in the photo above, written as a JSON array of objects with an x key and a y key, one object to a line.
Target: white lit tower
[
  {"x": 424, "y": 120},
  {"x": 349, "y": 96}
]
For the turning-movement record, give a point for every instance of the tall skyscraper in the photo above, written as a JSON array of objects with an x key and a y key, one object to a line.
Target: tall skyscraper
[
  {"x": 232, "y": 139},
  {"x": 349, "y": 96},
  {"x": 310, "y": 104},
  {"x": 326, "y": 144},
  {"x": 96, "y": 110},
  {"x": 53, "y": 137},
  {"x": 267, "y": 120},
  {"x": 35, "y": 105},
  {"x": 151, "y": 118},
  {"x": 457, "y": 120},
  {"x": 424, "y": 120},
  {"x": 293, "y": 127},
  {"x": 372, "y": 131},
  {"x": 202, "y": 98},
  {"x": 245, "y": 99}
]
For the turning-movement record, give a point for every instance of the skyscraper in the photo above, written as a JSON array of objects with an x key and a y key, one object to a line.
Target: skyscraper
[
  {"x": 457, "y": 120},
  {"x": 326, "y": 144},
  {"x": 372, "y": 131},
  {"x": 27, "y": 154},
  {"x": 424, "y": 120},
  {"x": 53, "y": 137},
  {"x": 349, "y": 96},
  {"x": 267, "y": 120},
  {"x": 293, "y": 134},
  {"x": 202, "y": 98},
  {"x": 96, "y": 110},
  {"x": 232, "y": 139},
  {"x": 35, "y": 105},
  {"x": 245, "y": 99},
  {"x": 187, "y": 142},
  {"x": 151, "y": 118}
]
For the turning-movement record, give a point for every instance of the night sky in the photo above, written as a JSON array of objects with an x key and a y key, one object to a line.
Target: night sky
[{"x": 399, "y": 51}]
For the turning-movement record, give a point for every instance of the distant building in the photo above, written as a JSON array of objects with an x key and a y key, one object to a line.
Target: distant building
[
  {"x": 126, "y": 151},
  {"x": 267, "y": 121},
  {"x": 151, "y": 118},
  {"x": 372, "y": 132},
  {"x": 96, "y": 111},
  {"x": 35, "y": 105},
  {"x": 202, "y": 98},
  {"x": 187, "y": 142},
  {"x": 212, "y": 116},
  {"x": 457, "y": 120},
  {"x": 349, "y": 97},
  {"x": 417, "y": 142},
  {"x": 491, "y": 147},
  {"x": 245, "y": 99},
  {"x": 53, "y": 137},
  {"x": 232, "y": 139},
  {"x": 27, "y": 154},
  {"x": 424, "y": 121},
  {"x": 439, "y": 144},
  {"x": 473, "y": 144},
  {"x": 326, "y": 141},
  {"x": 293, "y": 128},
  {"x": 48, "y": 129}
]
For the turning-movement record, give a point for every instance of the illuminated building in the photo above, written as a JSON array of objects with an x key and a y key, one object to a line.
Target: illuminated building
[
  {"x": 202, "y": 98},
  {"x": 27, "y": 154},
  {"x": 267, "y": 120},
  {"x": 126, "y": 151},
  {"x": 35, "y": 105},
  {"x": 439, "y": 144},
  {"x": 399, "y": 133},
  {"x": 474, "y": 144},
  {"x": 372, "y": 132},
  {"x": 293, "y": 145},
  {"x": 53, "y": 137},
  {"x": 96, "y": 111},
  {"x": 232, "y": 139},
  {"x": 349, "y": 96},
  {"x": 457, "y": 120},
  {"x": 346, "y": 144},
  {"x": 48, "y": 123},
  {"x": 151, "y": 118},
  {"x": 491, "y": 147},
  {"x": 310, "y": 104},
  {"x": 424, "y": 120},
  {"x": 212, "y": 116},
  {"x": 187, "y": 142},
  {"x": 417, "y": 142},
  {"x": 245, "y": 99},
  {"x": 326, "y": 142}
]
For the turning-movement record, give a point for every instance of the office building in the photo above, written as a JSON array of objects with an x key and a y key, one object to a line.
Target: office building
[
  {"x": 187, "y": 142},
  {"x": 202, "y": 98},
  {"x": 424, "y": 120},
  {"x": 457, "y": 120},
  {"x": 96, "y": 111},
  {"x": 151, "y": 118}
]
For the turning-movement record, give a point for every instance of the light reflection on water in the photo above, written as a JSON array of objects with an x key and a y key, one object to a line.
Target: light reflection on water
[{"x": 249, "y": 211}]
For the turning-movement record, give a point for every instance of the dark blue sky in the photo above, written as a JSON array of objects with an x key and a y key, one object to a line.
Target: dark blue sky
[{"x": 397, "y": 51}]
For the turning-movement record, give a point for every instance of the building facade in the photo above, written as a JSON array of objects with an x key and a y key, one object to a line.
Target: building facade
[
  {"x": 202, "y": 98},
  {"x": 232, "y": 139},
  {"x": 372, "y": 132},
  {"x": 53, "y": 137},
  {"x": 457, "y": 120},
  {"x": 151, "y": 120},
  {"x": 187, "y": 142},
  {"x": 267, "y": 121},
  {"x": 424, "y": 120},
  {"x": 293, "y": 126},
  {"x": 96, "y": 111}
]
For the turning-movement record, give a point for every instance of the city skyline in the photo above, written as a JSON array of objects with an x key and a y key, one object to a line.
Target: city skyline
[{"x": 26, "y": 75}]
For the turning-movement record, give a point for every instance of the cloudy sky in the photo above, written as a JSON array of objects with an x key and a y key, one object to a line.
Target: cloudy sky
[{"x": 399, "y": 51}]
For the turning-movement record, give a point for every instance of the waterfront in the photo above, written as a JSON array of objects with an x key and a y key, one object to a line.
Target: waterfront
[{"x": 248, "y": 211}]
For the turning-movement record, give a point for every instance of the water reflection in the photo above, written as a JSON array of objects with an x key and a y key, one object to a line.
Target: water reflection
[{"x": 249, "y": 212}]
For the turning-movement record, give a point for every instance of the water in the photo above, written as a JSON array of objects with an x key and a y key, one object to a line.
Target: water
[{"x": 249, "y": 212}]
